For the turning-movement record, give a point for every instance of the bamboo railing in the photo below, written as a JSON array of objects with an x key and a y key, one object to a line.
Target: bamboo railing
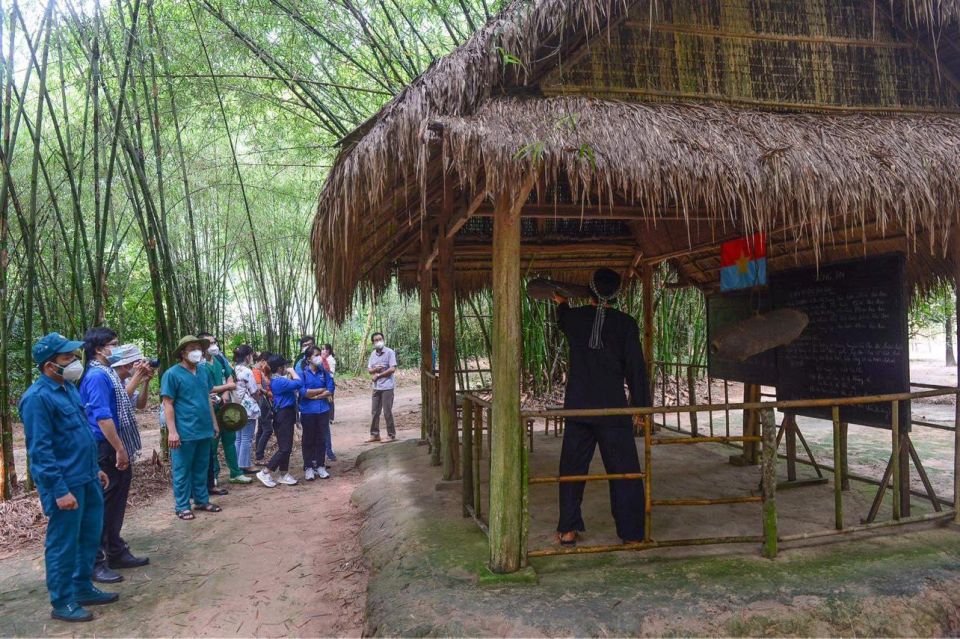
[{"x": 475, "y": 409}]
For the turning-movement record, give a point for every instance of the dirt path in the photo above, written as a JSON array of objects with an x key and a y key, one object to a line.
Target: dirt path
[{"x": 280, "y": 562}]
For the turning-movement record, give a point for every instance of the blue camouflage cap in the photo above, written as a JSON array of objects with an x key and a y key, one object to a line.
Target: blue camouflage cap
[{"x": 51, "y": 345}]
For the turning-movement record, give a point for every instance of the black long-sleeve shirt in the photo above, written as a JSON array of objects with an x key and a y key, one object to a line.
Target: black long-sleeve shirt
[{"x": 596, "y": 377}]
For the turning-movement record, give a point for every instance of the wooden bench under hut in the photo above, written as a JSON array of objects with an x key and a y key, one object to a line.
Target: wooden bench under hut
[{"x": 571, "y": 134}]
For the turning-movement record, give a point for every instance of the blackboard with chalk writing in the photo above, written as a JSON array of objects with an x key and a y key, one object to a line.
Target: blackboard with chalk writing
[{"x": 856, "y": 343}]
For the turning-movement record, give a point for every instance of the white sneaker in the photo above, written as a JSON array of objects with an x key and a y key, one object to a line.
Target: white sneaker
[
  {"x": 242, "y": 479},
  {"x": 266, "y": 479},
  {"x": 287, "y": 479},
  {"x": 309, "y": 475},
  {"x": 322, "y": 473}
]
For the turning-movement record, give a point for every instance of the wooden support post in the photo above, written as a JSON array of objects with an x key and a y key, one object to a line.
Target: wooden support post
[
  {"x": 844, "y": 457},
  {"x": 895, "y": 460},
  {"x": 768, "y": 482},
  {"x": 904, "y": 461},
  {"x": 837, "y": 468},
  {"x": 648, "y": 482},
  {"x": 751, "y": 424},
  {"x": 507, "y": 543},
  {"x": 449, "y": 443},
  {"x": 790, "y": 433},
  {"x": 426, "y": 345},
  {"x": 646, "y": 281},
  {"x": 955, "y": 250},
  {"x": 467, "y": 464},
  {"x": 477, "y": 455},
  {"x": 692, "y": 398}
]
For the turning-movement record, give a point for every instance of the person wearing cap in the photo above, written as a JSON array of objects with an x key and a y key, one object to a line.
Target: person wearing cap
[
  {"x": 605, "y": 352},
  {"x": 110, "y": 415},
  {"x": 136, "y": 373},
  {"x": 285, "y": 385},
  {"x": 191, "y": 425},
  {"x": 63, "y": 464}
]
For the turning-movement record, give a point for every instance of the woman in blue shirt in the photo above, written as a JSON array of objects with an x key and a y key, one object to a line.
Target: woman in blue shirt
[
  {"x": 285, "y": 385},
  {"x": 318, "y": 386}
]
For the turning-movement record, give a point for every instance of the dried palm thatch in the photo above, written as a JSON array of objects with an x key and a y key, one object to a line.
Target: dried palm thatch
[{"x": 748, "y": 167}]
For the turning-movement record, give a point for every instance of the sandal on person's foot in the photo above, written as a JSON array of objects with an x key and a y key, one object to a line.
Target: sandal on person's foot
[
  {"x": 208, "y": 508},
  {"x": 373, "y": 440},
  {"x": 568, "y": 539},
  {"x": 220, "y": 492},
  {"x": 186, "y": 515}
]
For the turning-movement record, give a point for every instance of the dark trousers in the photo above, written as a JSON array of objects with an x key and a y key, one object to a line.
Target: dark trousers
[
  {"x": 264, "y": 429},
  {"x": 314, "y": 439},
  {"x": 114, "y": 500},
  {"x": 619, "y": 453},
  {"x": 283, "y": 422},
  {"x": 71, "y": 545}
]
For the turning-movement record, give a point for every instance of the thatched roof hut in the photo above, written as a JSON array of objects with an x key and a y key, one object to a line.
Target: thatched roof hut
[
  {"x": 570, "y": 134},
  {"x": 657, "y": 128}
]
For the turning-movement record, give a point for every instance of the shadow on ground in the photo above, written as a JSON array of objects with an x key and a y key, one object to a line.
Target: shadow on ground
[{"x": 425, "y": 560}]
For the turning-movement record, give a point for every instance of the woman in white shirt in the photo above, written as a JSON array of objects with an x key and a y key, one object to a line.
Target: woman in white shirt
[
  {"x": 247, "y": 394},
  {"x": 330, "y": 364}
]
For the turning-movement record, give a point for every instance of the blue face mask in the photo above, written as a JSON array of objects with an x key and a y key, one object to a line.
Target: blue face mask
[{"x": 116, "y": 354}]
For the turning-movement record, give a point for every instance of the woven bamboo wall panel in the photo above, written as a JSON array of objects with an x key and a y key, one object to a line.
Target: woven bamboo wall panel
[{"x": 800, "y": 54}]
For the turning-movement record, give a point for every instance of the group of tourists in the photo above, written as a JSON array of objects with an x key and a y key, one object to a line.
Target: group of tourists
[{"x": 82, "y": 438}]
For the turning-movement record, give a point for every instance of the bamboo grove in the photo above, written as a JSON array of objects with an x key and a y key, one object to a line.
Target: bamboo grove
[{"x": 160, "y": 165}]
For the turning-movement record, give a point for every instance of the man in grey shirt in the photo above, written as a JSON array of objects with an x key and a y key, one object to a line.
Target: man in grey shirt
[{"x": 381, "y": 366}]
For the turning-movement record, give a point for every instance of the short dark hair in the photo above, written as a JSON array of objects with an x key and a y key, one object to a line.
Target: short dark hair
[
  {"x": 240, "y": 353},
  {"x": 263, "y": 356},
  {"x": 305, "y": 339},
  {"x": 276, "y": 362},
  {"x": 94, "y": 338},
  {"x": 205, "y": 334},
  {"x": 374, "y": 335}
]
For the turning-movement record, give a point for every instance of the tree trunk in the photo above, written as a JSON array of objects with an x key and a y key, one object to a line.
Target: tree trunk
[{"x": 951, "y": 359}]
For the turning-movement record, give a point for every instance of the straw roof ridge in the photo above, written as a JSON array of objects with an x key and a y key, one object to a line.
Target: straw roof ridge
[{"x": 761, "y": 169}]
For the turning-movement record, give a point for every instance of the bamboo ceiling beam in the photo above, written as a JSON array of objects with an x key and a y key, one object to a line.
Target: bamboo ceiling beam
[{"x": 767, "y": 37}]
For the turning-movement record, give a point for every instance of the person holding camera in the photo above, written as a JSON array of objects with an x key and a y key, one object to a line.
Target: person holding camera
[{"x": 110, "y": 416}]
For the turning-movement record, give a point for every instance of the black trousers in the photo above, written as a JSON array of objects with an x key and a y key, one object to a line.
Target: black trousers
[
  {"x": 619, "y": 453},
  {"x": 264, "y": 430},
  {"x": 114, "y": 500},
  {"x": 283, "y": 423},
  {"x": 314, "y": 439}
]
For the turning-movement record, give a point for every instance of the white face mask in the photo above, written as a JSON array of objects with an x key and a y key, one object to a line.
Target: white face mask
[
  {"x": 72, "y": 371},
  {"x": 379, "y": 345},
  {"x": 214, "y": 350},
  {"x": 194, "y": 357},
  {"x": 316, "y": 360}
]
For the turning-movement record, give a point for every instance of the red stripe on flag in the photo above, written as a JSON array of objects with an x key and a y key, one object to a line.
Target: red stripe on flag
[{"x": 753, "y": 248}]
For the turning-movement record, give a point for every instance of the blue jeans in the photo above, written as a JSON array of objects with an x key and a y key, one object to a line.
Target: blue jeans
[
  {"x": 73, "y": 538},
  {"x": 190, "y": 462},
  {"x": 245, "y": 443}
]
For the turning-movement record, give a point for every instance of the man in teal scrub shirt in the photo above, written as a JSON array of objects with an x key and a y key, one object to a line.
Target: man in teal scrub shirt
[
  {"x": 188, "y": 411},
  {"x": 63, "y": 464}
]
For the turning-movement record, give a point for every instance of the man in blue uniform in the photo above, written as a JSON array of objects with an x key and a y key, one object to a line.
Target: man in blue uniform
[{"x": 63, "y": 464}]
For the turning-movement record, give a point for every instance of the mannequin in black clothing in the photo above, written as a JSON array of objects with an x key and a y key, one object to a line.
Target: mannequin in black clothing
[{"x": 605, "y": 352}]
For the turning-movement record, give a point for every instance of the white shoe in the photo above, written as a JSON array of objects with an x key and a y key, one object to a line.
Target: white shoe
[
  {"x": 287, "y": 479},
  {"x": 242, "y": 479},
  {"x": 309, "y": 475},
  {"x": 266, "y": 479},
  {"x": 322, "y": 473}
]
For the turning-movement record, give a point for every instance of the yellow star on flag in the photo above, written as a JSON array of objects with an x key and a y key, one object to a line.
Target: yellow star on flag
[{"x": 743, "y": 262}]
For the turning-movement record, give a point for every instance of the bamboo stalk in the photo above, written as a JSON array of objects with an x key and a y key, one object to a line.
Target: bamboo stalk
[
  {"x": 895, "y": 433},
  {"x": 575, "y": 478},
  {"x": 749, "y": 499},
  {"x": 865, "y": 527},
  {"x": 646, "y": 545},
  {"x": 467, "y": 451},
  {"x": 703, "y": 440},
  {"x": 780, "y": 405},
  {"x": 837, "y": 463},
  {"x": 768, "y": 482}
]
